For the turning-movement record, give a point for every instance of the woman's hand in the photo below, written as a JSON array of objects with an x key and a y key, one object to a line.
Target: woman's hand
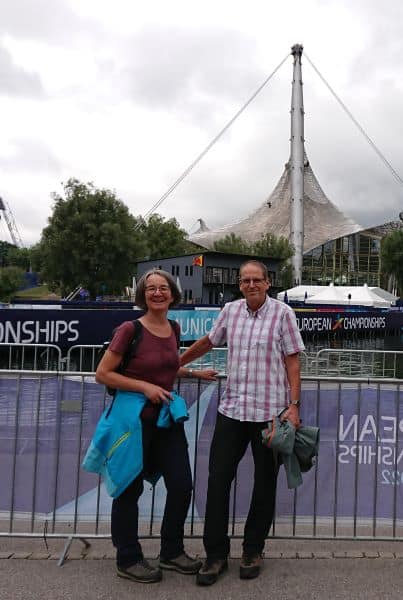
[{"x": 155, "y": 393}]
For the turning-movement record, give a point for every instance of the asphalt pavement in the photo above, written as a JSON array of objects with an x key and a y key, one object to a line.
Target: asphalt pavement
[{"x": 292, "y": 569}]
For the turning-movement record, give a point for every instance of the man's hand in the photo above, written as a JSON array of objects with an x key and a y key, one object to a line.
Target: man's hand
[{"x": 292, "y": 415}]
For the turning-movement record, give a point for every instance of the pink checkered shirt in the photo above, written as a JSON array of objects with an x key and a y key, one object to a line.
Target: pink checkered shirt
[{"x": 257, "y": 385}]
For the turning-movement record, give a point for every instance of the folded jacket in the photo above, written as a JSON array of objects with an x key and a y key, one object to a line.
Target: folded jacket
[
  {"x": 116, "y": 449},
  {"x": 296, "y": 449}
]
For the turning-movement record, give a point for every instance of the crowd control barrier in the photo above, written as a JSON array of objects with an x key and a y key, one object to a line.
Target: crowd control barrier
[{"x": 354, "y": 491}]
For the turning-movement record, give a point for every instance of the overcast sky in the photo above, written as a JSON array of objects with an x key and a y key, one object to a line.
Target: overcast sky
[{"x": 126, "y": 94}]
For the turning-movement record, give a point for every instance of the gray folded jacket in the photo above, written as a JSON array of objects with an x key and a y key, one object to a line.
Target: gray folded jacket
[{"x": 296, "y": 449}]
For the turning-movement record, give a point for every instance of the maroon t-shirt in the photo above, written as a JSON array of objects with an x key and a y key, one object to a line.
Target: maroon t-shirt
[{"x": 156, "y": 359}]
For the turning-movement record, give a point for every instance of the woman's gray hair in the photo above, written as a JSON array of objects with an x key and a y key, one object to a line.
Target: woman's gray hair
[{"x": 140, "y": 298}]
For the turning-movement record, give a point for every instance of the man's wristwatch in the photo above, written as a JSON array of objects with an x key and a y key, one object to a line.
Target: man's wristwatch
[{"x": 295, "y": 402}]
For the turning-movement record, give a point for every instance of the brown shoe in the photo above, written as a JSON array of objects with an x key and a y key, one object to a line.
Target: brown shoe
[
  {"x": 211, "y": 570},
  {"x": 250, "y": 565}
]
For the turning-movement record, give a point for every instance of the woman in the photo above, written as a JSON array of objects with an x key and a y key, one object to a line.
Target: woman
[{"x": 152, "y": 372}]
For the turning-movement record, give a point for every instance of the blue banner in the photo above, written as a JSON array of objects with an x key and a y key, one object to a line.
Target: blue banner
[
  {"x": 359, "y": 472},
  {"x": 194, "y": 324}
]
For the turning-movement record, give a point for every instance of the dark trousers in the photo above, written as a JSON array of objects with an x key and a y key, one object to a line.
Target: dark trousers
[
  {"x": 230, "y": 441},
  {"x": 164, "y": 451}
]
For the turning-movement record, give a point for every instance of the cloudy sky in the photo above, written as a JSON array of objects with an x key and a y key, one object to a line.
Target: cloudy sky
[{"x": 127, "y": 93}]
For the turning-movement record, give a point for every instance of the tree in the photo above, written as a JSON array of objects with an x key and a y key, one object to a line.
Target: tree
[
  {"x": 269, "y": 245},
  {"x": 37, "y": 257},
  {"x": 11, "y": 279},
  {"x": 164, "y": 238},
  {"x": 273, "y": 246},
  {"x": 392, "y": 256},
  {"x": 91, "y": 240},
  {"x": 233, "y": 243},
  {"x": 277, "y": 247},
  {"x": 19, "y": 257},
  {"x": 5, "y": 248}
]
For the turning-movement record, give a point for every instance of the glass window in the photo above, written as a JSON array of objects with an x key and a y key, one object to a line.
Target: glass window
[
  {"x": 375, "y": 246},
  {"x": 217, "y": 275},
  {"x": 191, "y": 270},
  {"x": 235, "y": 276},
  {"x": 186, "y": 270}
]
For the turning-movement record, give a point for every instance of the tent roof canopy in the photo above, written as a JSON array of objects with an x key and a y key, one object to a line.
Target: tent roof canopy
[
  {"x": 360, "y": 294},
  {"x": 322, "y": 220}
]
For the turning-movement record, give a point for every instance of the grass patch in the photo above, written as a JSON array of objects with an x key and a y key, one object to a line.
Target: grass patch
[{"x": 41, "y": 292}]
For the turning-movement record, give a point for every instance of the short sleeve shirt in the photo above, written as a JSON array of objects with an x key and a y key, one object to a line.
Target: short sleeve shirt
[
  {"x": 156, "y": 360},
  {"x": 257, "y": 386}
]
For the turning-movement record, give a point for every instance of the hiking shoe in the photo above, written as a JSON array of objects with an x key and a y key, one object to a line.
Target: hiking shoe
[
  {"x": 211, "y": 570},
  {"x": 141, "y": 572},
  {"x": 182, "y": 564},
  {"x": 250, "y": 565}
]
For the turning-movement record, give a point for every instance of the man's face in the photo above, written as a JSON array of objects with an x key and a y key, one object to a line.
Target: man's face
[{"x": 253, "y": 285}]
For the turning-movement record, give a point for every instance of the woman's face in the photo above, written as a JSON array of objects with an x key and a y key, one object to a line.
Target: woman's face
[{"x": 158, "y": 294}]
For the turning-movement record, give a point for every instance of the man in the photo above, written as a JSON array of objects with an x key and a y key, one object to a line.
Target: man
[{"x": 263, "y": 379}]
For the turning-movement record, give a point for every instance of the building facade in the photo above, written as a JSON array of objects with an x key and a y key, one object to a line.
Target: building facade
[{"x": 209, "y": 277}]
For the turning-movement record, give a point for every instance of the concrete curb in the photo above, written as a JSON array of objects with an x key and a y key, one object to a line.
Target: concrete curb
[{"x": 268, "y": 555}]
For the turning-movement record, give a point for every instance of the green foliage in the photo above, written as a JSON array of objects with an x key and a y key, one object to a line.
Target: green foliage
[
  {"x": 275, "y": 247},
  {"x": 11, "y": 278},
  {"x": 36, "y": 257},
  {"x": 233, "y": 243},
  {"x": 285, "y": 278},
  {"x": 5, "y": 248},
  {"x": 19, "y": 257},
  {"x": 164, "y": 238},
  {"x": 268, "y": 245},
  {"x": 392, "y": 256},
  {"x": 91, "y": 240}
]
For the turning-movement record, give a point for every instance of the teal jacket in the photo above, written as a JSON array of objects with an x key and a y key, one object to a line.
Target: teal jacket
[
  {"x": 296, "y": 449},
  {"x": 116, "y": 449}
]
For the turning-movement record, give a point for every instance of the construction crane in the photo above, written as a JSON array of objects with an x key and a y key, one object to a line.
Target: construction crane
[{"x": 12, "y": 227}]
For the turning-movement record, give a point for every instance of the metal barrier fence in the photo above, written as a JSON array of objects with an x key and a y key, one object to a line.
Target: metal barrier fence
[
  {"x": 358, "y": 363},
  {"x": 354, "y": 492},
  {"x": 326, "y": 362},
  {"x": 84, "y": 358},
  {"x": 46, "y": 357}
]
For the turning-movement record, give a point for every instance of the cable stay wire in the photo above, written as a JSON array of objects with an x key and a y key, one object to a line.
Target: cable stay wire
[
  {"x": 358, "y": 125},
  {"x": 213, "y": 141}
]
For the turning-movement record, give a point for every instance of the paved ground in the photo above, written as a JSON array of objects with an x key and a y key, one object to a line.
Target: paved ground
[{"x": 292, "y": 569}]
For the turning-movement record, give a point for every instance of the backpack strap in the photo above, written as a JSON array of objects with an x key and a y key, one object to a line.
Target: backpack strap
[
  {"x": 131, "y": 349},
  {"x": 177, "y": 331}
]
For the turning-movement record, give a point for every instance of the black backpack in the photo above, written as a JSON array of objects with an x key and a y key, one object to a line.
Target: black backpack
[{"x": 131, "y": 349}]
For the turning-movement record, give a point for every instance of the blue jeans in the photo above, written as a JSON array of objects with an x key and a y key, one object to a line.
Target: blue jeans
[
  {"x": 165, "y": 451},
  {"x": 230, "y": 441}
]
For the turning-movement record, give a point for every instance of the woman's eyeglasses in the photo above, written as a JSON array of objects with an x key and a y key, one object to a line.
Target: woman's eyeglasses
[{"x": 151, "y": 289}]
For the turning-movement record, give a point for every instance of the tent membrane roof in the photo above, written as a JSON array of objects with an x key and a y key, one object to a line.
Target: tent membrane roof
[
  {"x": 331, "y": 294},
  {"x": 322, "y": 220}
]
